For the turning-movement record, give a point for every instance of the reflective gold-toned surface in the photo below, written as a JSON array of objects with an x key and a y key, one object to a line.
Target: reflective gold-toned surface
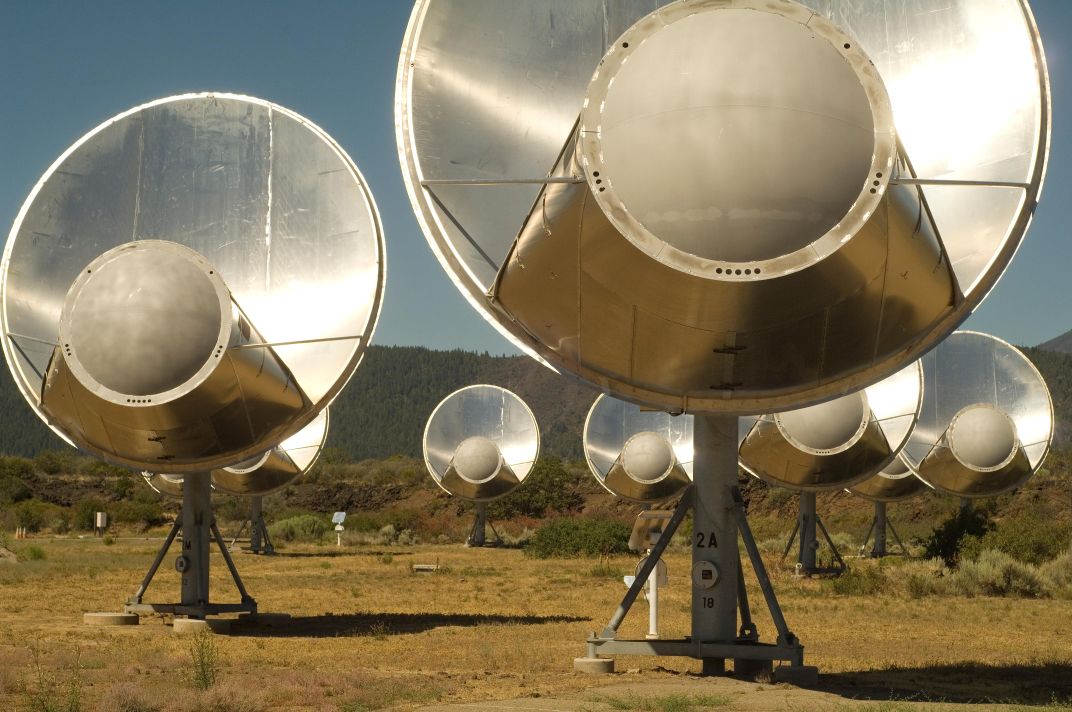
[
  {"x": 612, "y": 425},
  {"x": 263, "y": 475},
  {"x": 263, "y": 196},
  {"x": 481, "y": 442},
  {"x": 895, "y": 483},
  {"x": 961, "y": 454},
  {"x": 831, "y": 446},
  {"x": 490, "y": 93}
]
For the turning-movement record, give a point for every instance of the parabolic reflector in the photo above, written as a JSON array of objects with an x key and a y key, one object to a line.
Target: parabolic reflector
[
  {"x": 724, "y": 205},
  {"x": 838, "y": 443},
  {"x": 987, "y": 418},
  {"x": 262, "y": 475},
  {"x": 640, "y": 455},
  {"x": 895, "y": 483},
  {"x": 481, "y": 442},
  {"x": 191, "y": 283}
]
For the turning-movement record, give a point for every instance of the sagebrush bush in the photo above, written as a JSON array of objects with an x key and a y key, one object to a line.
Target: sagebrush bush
[
  {"x": 860, "y": 581},
  {"x": 994, "y": 573},
  {"x": 924, "y": 578},
  {"x": 304, "y": 527},
  {"x": 579, "y": 537},
  {"x": 1027, "y": 538},
  {"x": 1058, "y": 575}
]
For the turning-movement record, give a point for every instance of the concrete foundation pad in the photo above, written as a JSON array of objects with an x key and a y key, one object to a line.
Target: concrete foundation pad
[
  {"x": 799, "y": 675},
  {"x": 194, "y": 625},
  {"x": 110, "y": 619},
  {"x": 594, "y": 666}
]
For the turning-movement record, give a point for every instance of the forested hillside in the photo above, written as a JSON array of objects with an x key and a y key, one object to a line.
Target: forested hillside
[{"x": 383, "y": 409}]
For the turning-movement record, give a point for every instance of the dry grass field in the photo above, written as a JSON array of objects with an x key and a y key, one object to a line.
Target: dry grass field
[{"x": 490, "y": 625}]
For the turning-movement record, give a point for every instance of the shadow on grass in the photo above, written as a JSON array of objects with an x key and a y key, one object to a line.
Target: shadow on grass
[
  {"x": 381, "y": 625},
  {"x": 327, "y": 554},
  {"x": 1040, "y": 684}
]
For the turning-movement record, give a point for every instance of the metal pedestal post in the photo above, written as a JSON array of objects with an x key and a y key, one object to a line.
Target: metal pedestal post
[
  {"x": 478, "y": 534},
  {"x": 879, "y": 526},
  {"x": 717, "y": 581},
  {"x": 809, "y": 525},
  {"x": 259, "y": 541},
  {"x": 879, "y": 549},
  {"x": 193, "y": 563},
  {"x": 715, "y": 559},
  {"x": 198, "y": 527},
  {"x": 809, "y": 544}
]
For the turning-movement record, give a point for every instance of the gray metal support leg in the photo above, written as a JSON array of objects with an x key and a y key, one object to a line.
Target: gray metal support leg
[
  {"x": 140, "y": 593},
  {"x": 193, "y": 564},
  {"x": 478, "y": 536},
  {"x": 879, "y": 549},
  {"x": 652, "y": 560},
  {"x": 715, "y": 558},
  {"x": 809, "y": 543},
  {"x": 256, "y": 521},
  {"x": 246, "y": 598}
]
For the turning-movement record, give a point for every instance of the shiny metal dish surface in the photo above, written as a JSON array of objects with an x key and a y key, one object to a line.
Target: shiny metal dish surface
[
  {"x": 837, "y": 444},
  {"x": 612, "y": 424},
  {"x": 481, "y": 442},
  {"x": 262, "y": 475},
  {"x": 896, "y": 483},
  {"x": 987, "y": 419},
  {"x": 266, "y": 198},
  {"x": 489, "y": 95}
]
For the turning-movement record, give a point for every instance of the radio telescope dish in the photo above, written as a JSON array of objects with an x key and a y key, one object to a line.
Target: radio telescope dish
[
  {"x": 282, "y": 465},
  {"x": 643, "y": 456},
  {"x": 987, "y": 418},
  {"x": 836, "y": 444},
  {"x": 897, "y": 482},
  {"x": 191, "y": 283},
  {"x": 788, "y": 257},
  {"x": 166, "y": 485},
  {"x": 480, "y": 443}
]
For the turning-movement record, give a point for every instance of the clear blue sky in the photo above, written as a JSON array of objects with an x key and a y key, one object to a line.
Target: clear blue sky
[{"x": 67, "y": 66}]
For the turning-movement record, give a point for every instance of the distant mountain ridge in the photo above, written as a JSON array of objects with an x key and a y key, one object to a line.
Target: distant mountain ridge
[
  {"x": 1060, "y": 344},
  {"x": 382, "y": 411},
  {"x": 383, "y": 408}
]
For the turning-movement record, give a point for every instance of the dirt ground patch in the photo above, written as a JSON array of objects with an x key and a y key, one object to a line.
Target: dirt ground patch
[{"x": 494, "y": 629}]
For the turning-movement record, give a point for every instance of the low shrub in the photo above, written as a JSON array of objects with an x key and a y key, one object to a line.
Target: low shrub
[
  {"x": 1058, "y": 574},
  {"x": 52, "y": 462},
  {"x": 13, "y": 490},
  {"x": 84, "y": 511},
  {"x": 304, "y": 527},
  {"x": 579, "y": 537},
  {"x": 31, "y": 514},
  {"x": 549, "y": 489},
  {"x": 947, "y": 539},
  {"x": 143, "y": 514},
  {"x": 32, "y": 553},
  {"x": 924, "y": 578},
  {"x": 861, "y": 580},
  {"x": 1027, "y": 538},
  {"x": 994, "y": 573}
]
